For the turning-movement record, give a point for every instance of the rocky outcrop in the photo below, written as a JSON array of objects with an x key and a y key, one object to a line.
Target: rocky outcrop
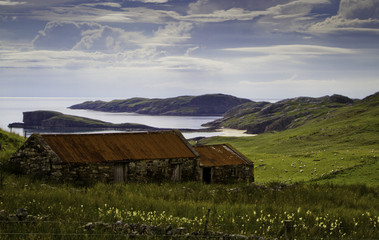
[{"x": 204, "y": 105}]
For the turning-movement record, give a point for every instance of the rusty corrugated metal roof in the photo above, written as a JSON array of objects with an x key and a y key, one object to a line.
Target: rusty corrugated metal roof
[
  {"x": 220, "y": 155},
  {"x": 87, "y": 148}
]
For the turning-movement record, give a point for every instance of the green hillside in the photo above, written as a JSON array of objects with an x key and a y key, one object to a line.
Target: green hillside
[
  {"x": 9, "y": 143},
  {"x": 336, "y": 141},
  {"x": 260, "y": 117}
]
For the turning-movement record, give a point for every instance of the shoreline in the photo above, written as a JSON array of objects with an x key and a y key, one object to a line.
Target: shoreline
[{"x": 230, "y": 132}]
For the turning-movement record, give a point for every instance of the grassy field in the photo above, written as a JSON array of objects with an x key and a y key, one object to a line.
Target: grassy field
[
  {"x": 316, "y": 211},
  {"x": 321, "y": 176},
  {"x": 340, "y": 147}
]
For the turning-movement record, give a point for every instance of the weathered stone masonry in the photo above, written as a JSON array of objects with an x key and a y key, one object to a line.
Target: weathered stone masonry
[
  {"x": 238, "y": 173},
  {"x": 129, "y": 157},
  {"x": 37, "y": 159}
]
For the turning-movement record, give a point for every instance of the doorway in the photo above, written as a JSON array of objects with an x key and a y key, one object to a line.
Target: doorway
[
  {"x": 176, "y": 173},
  {"x": 121, "y": 172},
  {"x": 207, "y": 175}
]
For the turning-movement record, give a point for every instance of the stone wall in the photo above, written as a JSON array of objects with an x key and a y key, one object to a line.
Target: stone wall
[
  {"x": 36, "y": 158},
  {"x": 224, "y": 174},
  {"x": 161, "y": 170}
]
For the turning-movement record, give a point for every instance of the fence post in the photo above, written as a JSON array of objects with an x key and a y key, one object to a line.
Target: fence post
[
  {"x": 288, "y": 229},
  {"x": 206, "y": 222}
]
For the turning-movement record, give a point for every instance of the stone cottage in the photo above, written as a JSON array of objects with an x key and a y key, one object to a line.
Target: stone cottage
[
  {"x": 223, "y": 163},
  {"x": 119, "y": 157}
]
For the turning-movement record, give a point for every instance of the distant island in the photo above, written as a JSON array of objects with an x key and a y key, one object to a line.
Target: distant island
[
  {"x": 240, "y": 114},
  {"x": 58, "y": 121},
  {"x": 51, "y": 120},
  {"x": 204, "y": 105}
]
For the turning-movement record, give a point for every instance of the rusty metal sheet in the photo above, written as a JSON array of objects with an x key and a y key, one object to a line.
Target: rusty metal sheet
[
  {"x": 86, "y": 148},
  {"x": 221, "y": 155}
]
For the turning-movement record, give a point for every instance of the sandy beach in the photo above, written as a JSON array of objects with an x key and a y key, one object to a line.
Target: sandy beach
[{"x": 229, "y": 132}]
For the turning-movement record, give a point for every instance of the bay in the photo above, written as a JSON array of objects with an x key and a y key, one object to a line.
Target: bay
[{"x": 11, "y": 109}]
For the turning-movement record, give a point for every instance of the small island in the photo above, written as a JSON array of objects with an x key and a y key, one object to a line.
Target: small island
[{"x": 51, "y": 120}]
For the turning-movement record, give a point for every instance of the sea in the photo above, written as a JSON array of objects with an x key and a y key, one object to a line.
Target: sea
[{"x": 12, "y": 108}]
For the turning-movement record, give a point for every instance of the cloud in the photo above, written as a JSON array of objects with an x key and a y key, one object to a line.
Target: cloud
[
  {"x": 338, "y": 24},
  {"x": 202, "y": 11},
  {"x": 294, "y": 8},
  {"x": 108, "y": 39},
  {"x": 103, "y": 4},
  {"x": 87, "y": 36},
  {"x": 190, "y": 50},
  {"x": 61, "y": 35},
  {"x": 223, "y": 16},
  {"x": 218, "y": 11},
  {"x": 171, "y": 34},
  {"x": 185, "y": 63},
  {"x": 353, "y": 16},
  {"x": 359, "y": 9},
  {"x": 10, "y": 3},
  {"x": 87, "y": 13},
  {"x": 295, "y": 49},
  {"x": 295, "y": 87},
  {"x": 152, "y": 1}
]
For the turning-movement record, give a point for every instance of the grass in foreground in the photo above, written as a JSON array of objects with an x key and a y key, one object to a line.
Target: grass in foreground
[{"x": 317, "y": 211}]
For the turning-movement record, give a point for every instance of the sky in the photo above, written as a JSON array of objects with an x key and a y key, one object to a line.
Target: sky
[{"x": 256, "y": 49}]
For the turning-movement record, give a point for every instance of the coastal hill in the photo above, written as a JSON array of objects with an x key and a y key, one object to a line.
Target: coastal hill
[
  {"x": 260, "y": 117},
  {"x": 204, "y": 105},
  {"x": 335, "y": 141}
]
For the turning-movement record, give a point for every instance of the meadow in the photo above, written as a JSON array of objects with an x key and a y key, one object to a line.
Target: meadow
[
  {"x": 315, "y": 211},
  {"x": 340, "y": 147},
  {"x": 321, "y": 177}
]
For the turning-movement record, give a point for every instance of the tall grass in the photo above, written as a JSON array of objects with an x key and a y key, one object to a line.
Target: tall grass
[{"x": 317, "y": 211}]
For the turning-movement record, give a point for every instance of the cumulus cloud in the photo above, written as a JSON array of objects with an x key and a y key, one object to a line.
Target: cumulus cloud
[
  {"x": 170, "y": 34},
  {"x": 88, "y": 36},
  {"x": 105, "y": 38},
  {"x": 81, "y": 45}
]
